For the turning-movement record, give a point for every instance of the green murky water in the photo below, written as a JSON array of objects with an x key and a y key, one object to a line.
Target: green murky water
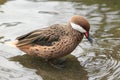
[{"x": 99, "y": 62}]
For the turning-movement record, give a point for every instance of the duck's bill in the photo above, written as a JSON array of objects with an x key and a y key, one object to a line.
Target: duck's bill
[{"x": 89, "y": 38}]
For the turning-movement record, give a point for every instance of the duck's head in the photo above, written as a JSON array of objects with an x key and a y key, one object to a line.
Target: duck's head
[{"x": 81, "y": 24}]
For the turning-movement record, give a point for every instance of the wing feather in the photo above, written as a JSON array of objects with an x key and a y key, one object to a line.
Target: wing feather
[{"x": 43, "y": 37}]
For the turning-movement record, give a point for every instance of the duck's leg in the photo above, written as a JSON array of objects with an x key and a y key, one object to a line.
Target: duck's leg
[{"x": 57, "y": 63}]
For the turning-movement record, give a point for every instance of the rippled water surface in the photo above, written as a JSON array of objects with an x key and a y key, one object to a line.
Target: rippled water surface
[{"x": 101, "y": 61}]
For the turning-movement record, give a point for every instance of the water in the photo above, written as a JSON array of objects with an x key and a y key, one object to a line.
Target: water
[{"x": 101, "y": 61}]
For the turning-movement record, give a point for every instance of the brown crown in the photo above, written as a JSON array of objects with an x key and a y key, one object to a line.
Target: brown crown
[{"x": 80, "y": 20}]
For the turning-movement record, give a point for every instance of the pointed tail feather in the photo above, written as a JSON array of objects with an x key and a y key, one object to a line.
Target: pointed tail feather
[{"x": 12, "y": 43}]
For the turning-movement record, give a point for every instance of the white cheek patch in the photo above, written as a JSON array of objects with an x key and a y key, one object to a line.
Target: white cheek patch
[{"x": 78, "y": 27}]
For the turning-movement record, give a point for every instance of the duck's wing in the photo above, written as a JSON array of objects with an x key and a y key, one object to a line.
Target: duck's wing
[
  {"x": 26, "y": 35},
  {"x": 43, "y": 37}
]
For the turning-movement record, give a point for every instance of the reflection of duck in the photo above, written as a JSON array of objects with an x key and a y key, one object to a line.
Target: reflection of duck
[{"x": 55, "y": 41}]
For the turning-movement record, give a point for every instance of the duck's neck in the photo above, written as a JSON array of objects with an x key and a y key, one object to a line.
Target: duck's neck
[
  {"x": 77, "y": 36},
  {"x": 69, "y": 27}
]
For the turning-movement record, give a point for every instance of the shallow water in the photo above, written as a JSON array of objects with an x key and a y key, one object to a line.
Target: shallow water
[{"x": 101, "y": 61}]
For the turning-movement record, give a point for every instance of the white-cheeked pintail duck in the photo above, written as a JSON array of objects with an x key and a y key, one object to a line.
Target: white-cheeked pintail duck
[{"x": 56, "y": 40}]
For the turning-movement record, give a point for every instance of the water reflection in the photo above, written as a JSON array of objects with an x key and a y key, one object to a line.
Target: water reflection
[
  {"x": 72, "y": 70},
  {"x": 10, "y": 24},
  {"x": 102, "y": 61},
  {"x": 12, "y": 71},
  {"x": 2, "y": 1}
]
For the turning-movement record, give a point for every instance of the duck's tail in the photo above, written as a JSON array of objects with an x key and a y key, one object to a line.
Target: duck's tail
[{"x": 12, "y": 43}]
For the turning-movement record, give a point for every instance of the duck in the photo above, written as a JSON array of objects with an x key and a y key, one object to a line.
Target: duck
[{"x": 55, "y": 41}]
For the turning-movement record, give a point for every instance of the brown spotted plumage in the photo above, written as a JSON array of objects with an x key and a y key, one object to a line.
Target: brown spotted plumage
[{"x": 56, "y": 40}]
